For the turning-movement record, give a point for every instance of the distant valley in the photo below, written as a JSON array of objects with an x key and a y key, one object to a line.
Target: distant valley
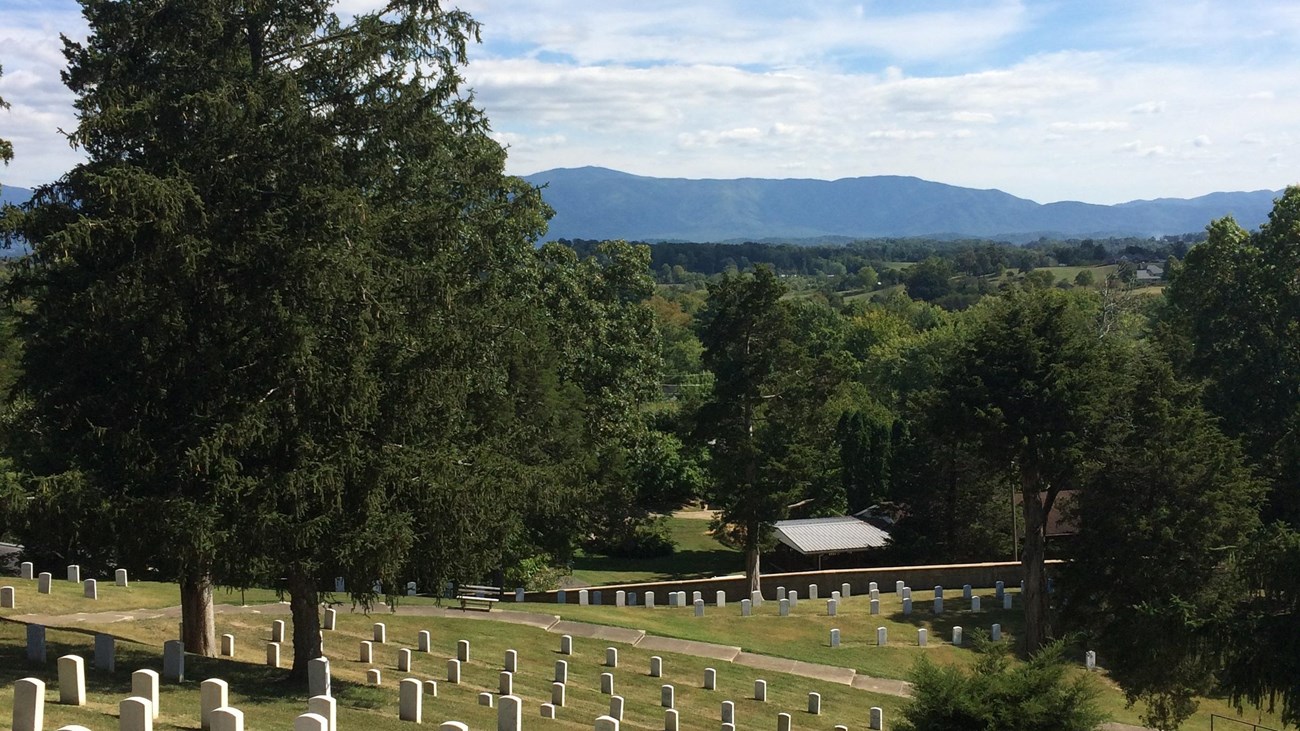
[{"x": 598, "y": 203}]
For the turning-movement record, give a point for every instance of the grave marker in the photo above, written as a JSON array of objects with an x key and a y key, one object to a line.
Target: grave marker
[
  {"x": 720, "y": 598},
  {"x": 485, "y": 699},
  {"x": 404, "y": 660},
  {"x": 656, "y": 667},
  {"x": 318, "y": 674},
  {"x": 667, "y": 696},
  {"x": 310, "y": 722},
  {"x": 325, "y": 707},
  {"x": 453, "y": 671},
  {"x": 380, "y": 632},
  {"x": 374, "y": 677},
  {"x": 134, "y": 714},
  {"x": 462, "y": 650},
  {"x": 561, "y": 671},
  {"x": 29, "y": 704},
  {"x": 760, "y": 691},
  {"x": 90, "y": 589},
  {"x": 410, "y": 700},
  {"x": 728, "y": 712},
  {"x": 921, "y": 636},
  {"x": 548, "y": 711},
  {"x": 699, "y": 607},
  {"x": 105, "y": 652},
  {"x": 996, "y": 633},
  {"x": 746, "y": 607},
  {"x": 26, "y": 570},
  {"x": 670, "y": 720},
  {"x": 835, "y": 638},
  {"x": 173, "y": 661},
  {"x": 119, "y": 578},
  {"x": 882, "y": 636},
  {"x": 43, "y": 582},
  {"x": 510, "y": 714},
  {"x": 144, "y": 684},
  {"x": 367, "y": 651},
  {"x": 227, "y": 645},
  {"x": 74, "y": 574},
  {"x": 566, "y": 645},
  {"x": 611, "y": 657},
  {"x": 607, "y": 683},
  {"x": 214, "y": 693},
  {"x": 815, "y": 704},
  {"x": 277, "y": 630},
  {"x": 331, "y": 617},
  {"x": 956, "y": 636},
  {"x": 876, "y": 722},
  {"x": 710, "y": 679},
  {"x": 557, "y": 694},
  {"x": 424, "y": 641},
  {"x": 616, "y": 707},
  {"x": 227, "y": 719},
  {"x": 511, "y": 661},
  {"x": 506, "y": 682}
]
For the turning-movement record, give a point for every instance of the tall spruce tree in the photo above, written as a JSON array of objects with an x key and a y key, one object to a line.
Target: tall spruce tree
[{"x": 274, "y": 312}]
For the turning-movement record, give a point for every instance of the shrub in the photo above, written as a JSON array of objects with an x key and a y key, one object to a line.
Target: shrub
[{"x": 997, "y": 694}]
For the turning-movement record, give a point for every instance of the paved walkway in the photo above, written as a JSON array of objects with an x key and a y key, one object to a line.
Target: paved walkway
[{"x": 552, "y": 623}]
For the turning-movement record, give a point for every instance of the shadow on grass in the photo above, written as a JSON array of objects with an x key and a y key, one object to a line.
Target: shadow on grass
[{"x": 679, "y": 565}]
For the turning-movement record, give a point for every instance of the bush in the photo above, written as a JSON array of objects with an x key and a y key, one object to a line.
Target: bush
[
  {"x": 642, "y": 539},
  {"x": 999, "y": 695}
]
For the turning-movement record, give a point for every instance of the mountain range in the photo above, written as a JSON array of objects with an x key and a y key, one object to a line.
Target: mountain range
[{"x": 598, "y": 203}]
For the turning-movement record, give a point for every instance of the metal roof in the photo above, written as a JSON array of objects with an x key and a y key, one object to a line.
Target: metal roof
[{"x": 830, "y": 535}]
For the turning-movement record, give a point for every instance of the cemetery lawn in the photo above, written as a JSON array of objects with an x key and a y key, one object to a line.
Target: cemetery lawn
[
  {"x": 66, "y": 597},
  {"x": 698, "y": 555},
  {"x": 269, "y": 702}
]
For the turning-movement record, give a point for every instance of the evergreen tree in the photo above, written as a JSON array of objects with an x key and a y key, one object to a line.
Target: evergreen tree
[{"x": 273, "y": 315}]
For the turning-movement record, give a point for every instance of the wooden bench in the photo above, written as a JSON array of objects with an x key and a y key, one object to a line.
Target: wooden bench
[{"x": 478, "y": 597}]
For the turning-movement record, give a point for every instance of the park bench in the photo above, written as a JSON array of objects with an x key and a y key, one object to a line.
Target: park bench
[{"x": 472, "y": 596}]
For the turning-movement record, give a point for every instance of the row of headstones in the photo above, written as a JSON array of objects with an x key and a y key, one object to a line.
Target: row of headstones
[
  {"x": 922, "y": 636},
  {"x": 44, "y": 583}
]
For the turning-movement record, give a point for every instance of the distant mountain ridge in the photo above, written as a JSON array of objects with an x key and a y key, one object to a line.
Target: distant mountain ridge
[
  {"x": 13, "y": 194},
  {"x": 598, "y": 203}
]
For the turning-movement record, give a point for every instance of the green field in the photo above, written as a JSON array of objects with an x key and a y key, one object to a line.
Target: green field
[{"x": 698, "y": 555}]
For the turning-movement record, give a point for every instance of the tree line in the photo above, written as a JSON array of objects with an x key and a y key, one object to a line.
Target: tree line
[{"x": 288, "y": 322}]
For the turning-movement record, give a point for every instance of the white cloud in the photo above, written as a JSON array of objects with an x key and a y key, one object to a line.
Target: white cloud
[
  {"x": 1147, "y": 108},
  {"x": 1103, "y": 126},
  {"x": 1201, "y": 141}
]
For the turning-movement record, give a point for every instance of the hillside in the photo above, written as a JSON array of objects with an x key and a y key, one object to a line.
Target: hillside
[
  {"x": 597, "y": 203},
  {"x": 14, "y": 194}
]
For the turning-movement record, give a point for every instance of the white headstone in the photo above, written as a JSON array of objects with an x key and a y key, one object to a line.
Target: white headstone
[
  {"x": 966, "y": 591},
  {"x": 325, "y": 707},
  {"x": 505, "y": 682},
  {"x": 374, "y": 676},
  {"x": 277, "y": 630},
  {"x": 410, "y": 700},
  {"x": 756, "y": 598},
  {"x": 782, "y": 722},
  {"x": 780, "y": 593},
  {"x": 607, "y": 683},
  {"x": 510, "y": 714},
  {"x": 882, "y": 636},
  {"x": 876, "y": 721},
  {"x": 511, "y": 661},
  {"x": 26, "y": 570},
  {"x": 999, "y": 588},
  {"x": 424, "y": 641},
  {"x": 846, "y": 590},
  {"x": 667, "y": 696},
  {"x": 214, "y": 693},
  {"x": 366, "y": 652},
  {"x": 784, "y": 608},
  {"x": 119, "y": 578},
  {"x": 835, "y": 638},
  {"x": 548, "y": 711},
  {"x": 134, "y": 714},
  {"x": 311, "y": 722},
  {"x": 453, "y": 671},
  {"x": 832, "y": 607},
  {"x": 144, "y": 684},
  {"x": 331, "y": 618},
  {"x": 921, "y": 637},
  {"x": 938, "y": 605},
  {"x": 566, "y": 645},
  {"x": 561, "y": 671},
  {"x": 710, "y": 679},
  {"x": 339, "y": 585},
  {"x": 720, "y": 598},
  {"x": 656, "y": 667},
  {"x": 650, "y": 600},
  {"x": 760, "y": 691},
  {"x": 611, "y": 657},
  {"x": 318, "y": 675},
  {"x": 812, "y": 591},
  {"x": 227, "y": 719},
  {"x": 835, "y": 595},
  {"x": 956, "y": 635},
  {"x": 793, "y": 596},
  {"x": 616, "y": 707},
  {"x": 746, "y": 607},
  {"x": 105, "y": 651},
  {"x": 74, "y": 574},
  {"x": 1090, "y": 660},
  {"x": 874, "y": 594},
  {"x": 699, "y": 607},
  {"x": 899, "y": 586},
  {"x": 620, "y": 598},
  {"x": 561, "y": 597},
  {"x": 975, "y": 604},
  {"x": 485, "y": 699},
  {"x": 606, "y": 723},
  {"x": 380, "y": 632},
  {"x": 43, "y": 583},
  {"x": 875, "y": 606},
  {"x": 462, "y": 650},
  {"x": 452, "y": 726},
  {"x": 431, "y": 688},
  {"x": 36, "y": 643},
  {"x": 173, "y": 661},
  {"x": 697, "y": 596},
  {"x": 670, "y": 720},
  {"x": 227, "y": 645},
  {"x": 996, "y": 633},
  {"x": 907, "y": 606},
  {"x": 412, "y": 588},
  {"x": 90, "y": 589},
  {"x": 404, "y": 660},
  {"x": 815, "y": 703},
  {"x": 1006, "y": 601},
  {"x": 557, "y": 694},
  {"x": 72, "y": 680},
  {"x": 728, "y": 714},
  {"x": 29, "y": 705},
  {"x": 582, "y": 597}
]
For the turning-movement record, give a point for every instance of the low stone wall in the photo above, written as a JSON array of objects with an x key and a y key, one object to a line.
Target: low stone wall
[{"x": 949, "y": 576}]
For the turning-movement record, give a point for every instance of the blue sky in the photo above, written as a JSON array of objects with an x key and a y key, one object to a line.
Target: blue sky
[{"x": 1101, "y": 101}]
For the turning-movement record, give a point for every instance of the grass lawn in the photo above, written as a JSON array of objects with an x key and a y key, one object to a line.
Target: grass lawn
[
  {"x": 66, "y": 597},
  {"x": 269, "y": 702},
  {"x": 697, "y": 555}
]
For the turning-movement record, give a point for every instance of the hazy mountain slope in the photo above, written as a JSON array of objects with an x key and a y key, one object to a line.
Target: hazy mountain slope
[{"x": 596, "y": 203}]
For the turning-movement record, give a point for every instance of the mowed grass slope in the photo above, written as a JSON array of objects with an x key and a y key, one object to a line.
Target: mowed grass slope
[
  {"x": 269, "y": 702},
  {"x": 66, "y": 597}
]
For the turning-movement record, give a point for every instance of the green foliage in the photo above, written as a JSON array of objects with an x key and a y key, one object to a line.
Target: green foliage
[
  {"x": 997, "y": 694},
  {"x": 6, "y": 147},
  {"x": 1175, "y": 495},
  {"x": 1085, "y": 278}
]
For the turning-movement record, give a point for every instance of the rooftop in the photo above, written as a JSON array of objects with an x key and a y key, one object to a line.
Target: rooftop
[{"x": 842, "y": 534}]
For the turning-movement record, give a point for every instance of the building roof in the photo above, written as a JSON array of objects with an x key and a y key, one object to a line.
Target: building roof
[{"x": 830, "y": 535}]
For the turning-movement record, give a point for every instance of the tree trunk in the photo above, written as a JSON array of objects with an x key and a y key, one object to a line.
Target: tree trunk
[
  {"x": 304, "y": 605},
  {"x": 751, "y": 567},
  {"x": 1037, "y": 621},
  {"x": 198, "y": 627}
]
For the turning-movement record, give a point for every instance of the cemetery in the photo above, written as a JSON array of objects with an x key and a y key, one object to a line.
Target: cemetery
[{"x": 674, "y": 662}]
